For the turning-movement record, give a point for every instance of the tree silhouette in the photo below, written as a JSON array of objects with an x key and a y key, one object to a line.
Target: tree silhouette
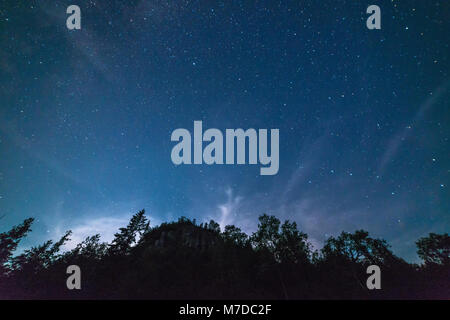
[
  {"x": 435, "y": 249},
  {"x": 126, "y": 237},
  {"x": 39, "y": 257},
  {"x": 292, "y": 244},
  {"x": 235, "y": 235},
  {"x": 183, "y": 260},
  {"x": 358, "y": 247},
  {"x": 9, "y": 242},
  {"x": 267, "y": 235}
]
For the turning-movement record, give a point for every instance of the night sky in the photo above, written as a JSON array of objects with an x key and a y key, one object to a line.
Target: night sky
[{"x": 86, "y": 115}]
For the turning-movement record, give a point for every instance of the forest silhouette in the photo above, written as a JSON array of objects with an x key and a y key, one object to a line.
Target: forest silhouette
[{"x": 186, "y": 260}]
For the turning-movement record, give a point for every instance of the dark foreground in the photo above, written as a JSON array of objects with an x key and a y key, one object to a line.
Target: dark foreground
[{"x": 184, "y": 260}]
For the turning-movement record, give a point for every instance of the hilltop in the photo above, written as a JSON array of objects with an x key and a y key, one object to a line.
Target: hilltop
[{"x": 184, "y": 260}]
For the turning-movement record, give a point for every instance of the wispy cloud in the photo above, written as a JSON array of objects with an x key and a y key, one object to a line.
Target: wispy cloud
[
  {"x": 36, "y": 151},
  {"x": 401, "y": 136},
  {"x": 228, "y": 209},
  {"x": 85, "y": 44},
  {"x": 105, "y": 226},
  {"x": 308, "y": 158},
  {"x": 104, "y": 221}
]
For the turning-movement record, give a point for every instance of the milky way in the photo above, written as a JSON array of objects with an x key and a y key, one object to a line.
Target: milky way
[{"x": 86, "y": 115}]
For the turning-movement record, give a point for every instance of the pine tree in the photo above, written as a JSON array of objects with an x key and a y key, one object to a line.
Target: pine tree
[{"x": 126, "y": 237}]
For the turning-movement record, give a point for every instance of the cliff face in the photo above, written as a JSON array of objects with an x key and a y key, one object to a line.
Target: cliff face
[{"x": 181, "y": 235}]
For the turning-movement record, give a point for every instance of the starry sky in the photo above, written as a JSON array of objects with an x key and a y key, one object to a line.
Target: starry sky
[{"x": 86, "y": 115}]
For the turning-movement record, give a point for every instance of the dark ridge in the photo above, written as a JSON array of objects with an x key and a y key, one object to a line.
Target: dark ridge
[{"x": 184, "y": 260}]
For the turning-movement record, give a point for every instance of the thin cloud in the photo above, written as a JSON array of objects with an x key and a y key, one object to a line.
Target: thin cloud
[
  {"x": 86, "y": 44},
  {"x": 397, "y": 140},
  {"x": 104, "y": 221},
  {"x": 105, "y": 226},
  {"x": 10, "y": 131},
  {"x": 228, "y": 209}
]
